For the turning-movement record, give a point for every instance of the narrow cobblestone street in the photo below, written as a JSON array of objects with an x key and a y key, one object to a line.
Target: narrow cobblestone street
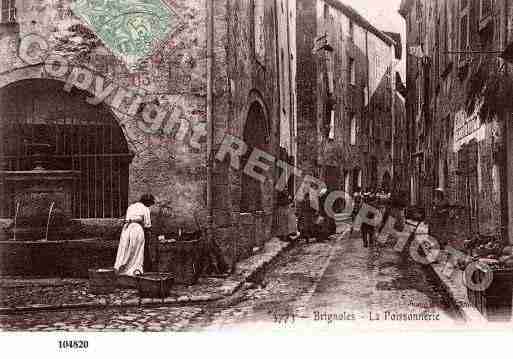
[
  {"x": 316, "y": 284},
  {"x": 324, "y": 285}
]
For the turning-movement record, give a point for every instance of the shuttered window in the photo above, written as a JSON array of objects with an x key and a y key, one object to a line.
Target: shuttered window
[
  {"x": 485, "y": 8},
  {"x": 464, "y": 30},
  {"x": 258, "y": 30}
]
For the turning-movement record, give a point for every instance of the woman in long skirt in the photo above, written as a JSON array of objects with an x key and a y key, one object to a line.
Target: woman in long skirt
[
  {"x": 283, "y": 215},
  {"x": 306, "y": 218},
  {"x": 130, "y": 256}
]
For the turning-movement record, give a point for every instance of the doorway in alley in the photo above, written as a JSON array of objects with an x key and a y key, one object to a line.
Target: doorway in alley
[{"x": 255, "y": 135}]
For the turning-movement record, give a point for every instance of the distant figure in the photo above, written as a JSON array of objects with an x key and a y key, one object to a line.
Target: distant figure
[
  {"x": 306, "y": 218},
  {"x": 395, "y": 208},
  {"x": 130, "y": 256},
  {"x": 439, "y": 201},
  {"x": 439, "y": 216},
  {"x": 357, "y": 205},
  {"x": 326, "y": 222},
  {"x": 284, "y": 201},
  {"x": 366, "y": 228}
]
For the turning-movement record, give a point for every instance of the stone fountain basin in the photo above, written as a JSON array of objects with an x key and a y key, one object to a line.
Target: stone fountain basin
[
  {"x": 94, "y": 246},
  {"x": 67, "y": 258}
]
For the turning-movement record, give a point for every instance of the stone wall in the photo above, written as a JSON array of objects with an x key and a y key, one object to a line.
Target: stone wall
[
  {"x": 306, "y": 27},
  {"x": 400, "y": 155},
  {"x": 286, "y": 17},
  {"x": 452, "y": 87},
  {"x": 173, "y": 170},
  {"x": 243, "y": 80},
  {"x": 368, "y": 99}
]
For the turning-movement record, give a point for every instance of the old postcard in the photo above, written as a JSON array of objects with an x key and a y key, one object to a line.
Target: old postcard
[{"x": 312, "y": 166}]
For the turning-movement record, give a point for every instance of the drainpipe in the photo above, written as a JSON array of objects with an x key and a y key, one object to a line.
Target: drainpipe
[
  {"x": 292, "y": 115},
  {"x": 393, "y": 86},
  {"x": 210, "y": 104},
  {"x": 278, "y": 85},
  {"x": 370, "y": 116},
  {"x": 508, "y": 147}
]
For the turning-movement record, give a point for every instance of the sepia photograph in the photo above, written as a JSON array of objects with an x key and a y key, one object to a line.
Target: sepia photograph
[{"x": 200, "y": 167}]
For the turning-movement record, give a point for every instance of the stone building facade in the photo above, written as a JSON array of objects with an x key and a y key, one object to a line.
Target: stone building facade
[
  {"x": 459, "y": 111},
  {"x": 226, "y": 69},
  {"x": 345, "y": 94},
  {"x": 400, "y": 154}
]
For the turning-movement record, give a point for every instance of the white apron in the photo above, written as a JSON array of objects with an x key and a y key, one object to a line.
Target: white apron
[{"x": 130, "y": 256}]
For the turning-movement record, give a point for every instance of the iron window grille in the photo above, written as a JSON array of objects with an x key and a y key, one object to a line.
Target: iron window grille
[
  {"x": 8, "y": 15},
  {"x": 84, "y": 138}
]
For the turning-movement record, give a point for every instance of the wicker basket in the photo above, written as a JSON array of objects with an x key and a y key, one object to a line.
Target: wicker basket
[{"x": 102, "y": 281}]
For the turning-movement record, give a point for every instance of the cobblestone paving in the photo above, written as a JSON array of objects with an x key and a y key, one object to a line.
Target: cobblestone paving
[
  {"x": 377, "y": 283},
  {"x": 18, "y": 296},
  {"x": 328, "y": 277},
  {"x": 284, "y": 290},
  {"x": 16, "y": 293},
  {"x": 334, "y": 278},
  {"x": 284, "y": 284},
  {"x": 133, "y": 319}
]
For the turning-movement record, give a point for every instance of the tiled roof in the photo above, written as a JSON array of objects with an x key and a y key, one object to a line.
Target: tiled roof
[
  {"x": 359, "y": 19},
  {"x": 398, "y": 44}
]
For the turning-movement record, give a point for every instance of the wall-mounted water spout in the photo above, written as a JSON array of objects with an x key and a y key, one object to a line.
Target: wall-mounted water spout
[
  {"x": 16, "y": 219},
  {"x": 39, "y": 189},
  {"x": 48, "y": 221}
]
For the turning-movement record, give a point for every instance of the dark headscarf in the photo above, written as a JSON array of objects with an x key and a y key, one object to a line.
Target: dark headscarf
[{"x": 147, "y": 199}]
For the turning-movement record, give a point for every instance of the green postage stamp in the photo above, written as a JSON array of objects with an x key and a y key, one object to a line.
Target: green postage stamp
[{"x": 132, "y": 29}]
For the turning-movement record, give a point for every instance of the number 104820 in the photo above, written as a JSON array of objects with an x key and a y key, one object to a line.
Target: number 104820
[{"x": 73, "y": 344}]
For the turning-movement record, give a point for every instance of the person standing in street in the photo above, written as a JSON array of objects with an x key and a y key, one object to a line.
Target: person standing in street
[
  {"x": 394, "y": 207},
  {"x": 328, "y": 226},
  {"x": 286, "y": 216},
  {"x": 439, "y": 215},
  {"x": 283, "y": 219},
  {"x": 306, "y": 218},
  {"x": 368, "y": 229},
  {"x": 357, "y": 205}
]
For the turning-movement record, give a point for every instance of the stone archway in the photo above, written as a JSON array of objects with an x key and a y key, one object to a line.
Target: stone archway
[
  {"x": 255, "y": 135},
  {"x": 83, "y": 138}
]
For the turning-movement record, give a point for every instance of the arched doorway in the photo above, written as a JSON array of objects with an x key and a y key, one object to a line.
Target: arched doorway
[
  {"x": 255, "y": 135},
  {"x": 83, "y": 137}
]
